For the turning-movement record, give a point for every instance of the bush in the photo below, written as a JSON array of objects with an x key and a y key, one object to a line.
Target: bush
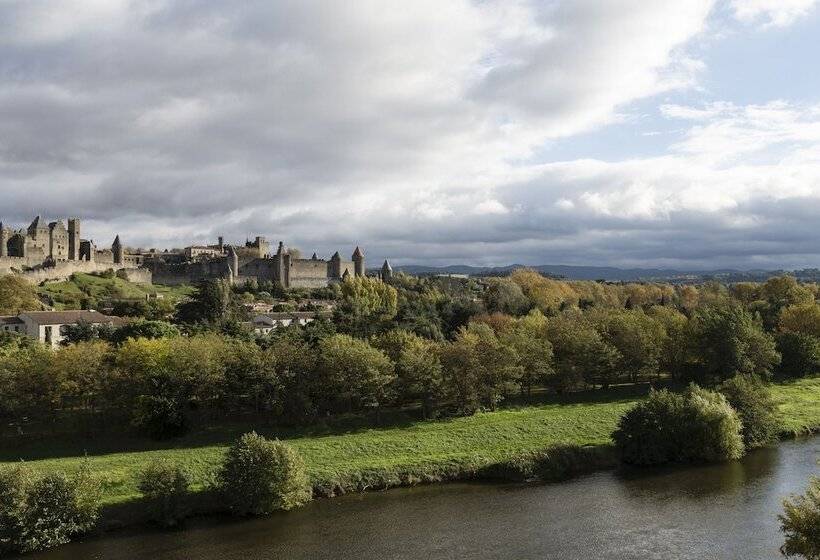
[
  {"x": 39, "y": 512},
  {"x": 756, "y": 408},
  {"x": 801, "y": 354},
  {"x": 166, "y": 486},
  {"x": 260, "y": 476},
  {"x": 14, "y": 486},
  {"x": 697, "y": 425},
  {"x": 800, "y": 522}
]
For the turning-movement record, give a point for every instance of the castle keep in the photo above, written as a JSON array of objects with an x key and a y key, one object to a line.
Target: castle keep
[{"x": 45, "y": 251}]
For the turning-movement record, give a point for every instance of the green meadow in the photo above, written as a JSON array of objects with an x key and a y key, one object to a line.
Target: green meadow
[{"x": 357, "y": 459}]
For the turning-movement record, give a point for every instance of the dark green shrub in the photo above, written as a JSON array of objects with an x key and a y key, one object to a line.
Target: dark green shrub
[
  {"x": 800, "y": 522},
  {"x": 14, "y": 486},
  {"x": 160, "y": 416},
  {"x": 260, "y": 476},
  {"x": 756, "y": 408},
  {"x": 144, "y": 329},
  {"x": 165, "y": 485},
  {"x": 39, "y": 512},
  {"x": 697, "y": 425},
  {"x": 800, "y": 354}
]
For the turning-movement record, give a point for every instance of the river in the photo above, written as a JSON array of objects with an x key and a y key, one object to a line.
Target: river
[{"x": 726, "y": 511}]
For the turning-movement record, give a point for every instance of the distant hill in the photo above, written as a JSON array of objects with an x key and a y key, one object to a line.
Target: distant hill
[{"x": 612, "y": 274}]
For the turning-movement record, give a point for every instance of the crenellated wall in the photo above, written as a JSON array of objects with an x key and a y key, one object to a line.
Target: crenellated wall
[{"x": 62, "y": 270}]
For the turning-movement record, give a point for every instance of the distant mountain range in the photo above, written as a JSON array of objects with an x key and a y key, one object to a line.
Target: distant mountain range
[{"x": 611, "y": 274}]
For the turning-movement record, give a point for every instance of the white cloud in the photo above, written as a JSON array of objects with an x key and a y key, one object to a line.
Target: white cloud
[{"x": 772, "y": 13}]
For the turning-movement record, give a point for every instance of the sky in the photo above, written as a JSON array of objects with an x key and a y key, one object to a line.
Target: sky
[{"x": 621, "y": 133}]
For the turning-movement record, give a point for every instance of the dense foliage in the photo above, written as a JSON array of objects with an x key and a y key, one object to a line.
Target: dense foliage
[
  {"x": 260, "y": 476},
  {"x": 755, "y": 406},
  {"x": 16, "y": 294},
  {"x": 444, "y": 345},
  {"x": 800, "y": 522},
  {"x": 39, "y": 511},
  {"x": 697, "y": 425}
]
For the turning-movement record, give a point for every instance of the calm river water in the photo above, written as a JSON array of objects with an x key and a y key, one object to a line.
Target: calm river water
[{"x": 712, "y": 512}]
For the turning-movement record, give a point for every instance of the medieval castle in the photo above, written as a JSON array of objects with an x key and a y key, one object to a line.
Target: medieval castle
[{"x": 53, "y": 252}]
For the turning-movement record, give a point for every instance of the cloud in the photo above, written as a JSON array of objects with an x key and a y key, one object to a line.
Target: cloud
[
  {"x": 772, "y": 13},
  {"x": 416, "y": 129}
]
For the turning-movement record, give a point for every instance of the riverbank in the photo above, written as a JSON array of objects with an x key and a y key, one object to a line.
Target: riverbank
[{"x": 549, "y": 441}]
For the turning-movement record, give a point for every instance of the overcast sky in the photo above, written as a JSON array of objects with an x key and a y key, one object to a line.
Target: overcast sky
[{"x": 629, "y": 132}]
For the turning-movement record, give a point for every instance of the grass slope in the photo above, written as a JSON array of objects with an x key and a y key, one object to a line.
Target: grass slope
[
  {"x": 422, "y": 451},
  {"x": 69, "y": 293}
]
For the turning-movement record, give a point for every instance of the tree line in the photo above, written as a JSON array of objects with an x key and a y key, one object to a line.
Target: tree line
[{"x": 451, "y": 346}]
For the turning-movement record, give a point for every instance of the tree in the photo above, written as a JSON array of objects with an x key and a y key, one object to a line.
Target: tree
[
  {"x": 800, "y": 522},
  {"x": 697, "y": 425},
  {"x": 366, "y": 305},
  {"x": 638, "y": 338},
  {"x": 259, "y": 476},
  {"x": 478, "y": 369},
  {"x": 251, "y": 377},
  {"x": 212, "y": 304},
  {"x": 800, "y": 354},
  {"x": 803, "y": 318},
  {"x": 84, "y": 331},
  {"x": 781, "y": 292},
  {"x": 353, "y": 372},
  {"x": 80, "y": 371},
  {"x": 581, "y": 353},
  {"x": 418, "y": 368},
  {"x": 548, "y": 295},
  {"x": 43, "y": 511},
  {"x": 673, "y": 353},
  {"x": 528, "y": 338},
  {"x": 16, "y": 295},
  {"x": 144, "y": 329},
  {"x": 755, "y": 406},
  {"x": 725, "y": 341},
  {"x": 505, "y": 296}
]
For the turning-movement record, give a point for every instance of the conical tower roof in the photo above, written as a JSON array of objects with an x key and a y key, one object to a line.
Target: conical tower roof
[
  {"x": 357, "y": 254},
  {"x": 117, "y": 242},
  {"x": 386, "y": 266}
]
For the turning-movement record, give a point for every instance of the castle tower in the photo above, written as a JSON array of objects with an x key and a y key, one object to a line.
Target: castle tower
[
  {"x": 233, "y": 262},
  {"x": 221, "y": 244},
  {"x": 4, "y": 239},
  {"x": 336, "y": 265},
  {"x": 264, "y": 247},
  {"x": 116, "y": 249},
  {"x": 358, "y": 262},
  {"x": 87, "y": 250},
  {"x": 34, "y": 227},
  {"x": 387, "y": 271},
  {"x": 73, "y": 239},
  {"x": 57, "y": 241},
  {"x": 280, "y": 264}
]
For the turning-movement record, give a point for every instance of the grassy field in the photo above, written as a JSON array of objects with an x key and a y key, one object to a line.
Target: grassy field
[
  {"x": 66, "y": 294},
  {"x": 416, "y": 452}
]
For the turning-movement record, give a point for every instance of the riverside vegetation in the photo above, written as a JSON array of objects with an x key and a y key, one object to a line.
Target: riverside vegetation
[{"x": 454, "y": 349}]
